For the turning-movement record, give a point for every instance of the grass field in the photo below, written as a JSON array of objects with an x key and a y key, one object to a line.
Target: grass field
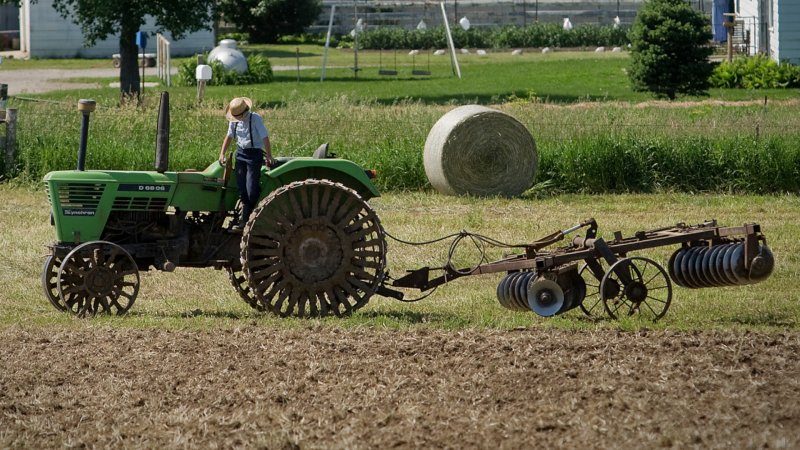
[
  {"x": 203, "y": 299},
  {"x": 561, "y": 77}
]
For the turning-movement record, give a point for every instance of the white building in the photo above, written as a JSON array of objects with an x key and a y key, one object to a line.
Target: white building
[
  {"x": 772, "y": 27},
  {"x": 45, "y": 34}
]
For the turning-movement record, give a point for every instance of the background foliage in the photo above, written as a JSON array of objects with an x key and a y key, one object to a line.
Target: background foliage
[
  {"x": 536, "y": 35},
  {"x": 267, "y": 20},
  {"x": 259, "y": 71},
  {"x": 755, "y": 72},
  {"x": 669, "y": 49}
]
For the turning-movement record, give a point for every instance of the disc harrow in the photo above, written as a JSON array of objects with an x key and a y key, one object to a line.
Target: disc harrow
[{"x": 548, "y": 281}]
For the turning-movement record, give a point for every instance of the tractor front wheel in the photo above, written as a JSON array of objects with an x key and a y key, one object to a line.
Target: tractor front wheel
[{"x": 97, "y": 277}]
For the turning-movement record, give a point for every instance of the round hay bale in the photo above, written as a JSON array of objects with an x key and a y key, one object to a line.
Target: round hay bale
[{"x": 474, "y": 150}]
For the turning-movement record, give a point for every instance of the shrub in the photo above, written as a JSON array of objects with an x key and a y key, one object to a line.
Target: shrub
[
  {"x": 240, "y": 38},
  {"x": 755, "y": 72},
  {"x": 259, "y": 71},
  {"x": 267, "y": 20},
  {"x": 536, "y": 35},
  {"x": 669, "y": 53}
]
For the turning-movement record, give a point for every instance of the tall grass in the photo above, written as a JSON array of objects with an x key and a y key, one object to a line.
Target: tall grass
[
  {"x": 588, "y": 139},
  {"x": 607, "y": 147}
]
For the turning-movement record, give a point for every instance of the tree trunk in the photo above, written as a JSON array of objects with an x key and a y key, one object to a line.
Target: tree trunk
[{"x": 129, "y": 64}]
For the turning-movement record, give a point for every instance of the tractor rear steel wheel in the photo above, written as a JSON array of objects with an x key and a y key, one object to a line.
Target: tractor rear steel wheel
[
  {"x": 98, "y": 277},
  {"x": 239, "y": 282},
  {"x": 50, "y": 281},
  {"x": 313, "y": 248}
]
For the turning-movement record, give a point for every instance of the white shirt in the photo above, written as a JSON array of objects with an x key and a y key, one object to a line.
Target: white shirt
[{"x": 241, "y": 130}]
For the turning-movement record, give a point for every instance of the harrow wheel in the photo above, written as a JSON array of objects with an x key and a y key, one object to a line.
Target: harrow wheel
[
  {"x": 643, "y": 289},
  {"x": 313, "y": 248},
  {"x": 50, "y": 281},
  {"x": 98, "y": 277},
  {"x": 592, "y": 304},
  {"x": 239, "y": 282}
]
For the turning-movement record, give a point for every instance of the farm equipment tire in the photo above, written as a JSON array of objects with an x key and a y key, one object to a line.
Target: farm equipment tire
[
  {"x": 50, "y": 281},
  {"x": 313, "y": 248},
  {"x": 645, "y": 291},
  {"x": 592, "y": 304},
  {"x": 98, "y": 277},
  {"x": 239, "y": 282}
]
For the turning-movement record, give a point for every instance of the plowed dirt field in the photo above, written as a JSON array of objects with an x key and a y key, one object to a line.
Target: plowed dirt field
[{"x": 323, "y": 387}]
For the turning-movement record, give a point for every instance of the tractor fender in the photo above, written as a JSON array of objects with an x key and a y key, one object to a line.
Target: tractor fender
[{"x": 342, "y": 171}]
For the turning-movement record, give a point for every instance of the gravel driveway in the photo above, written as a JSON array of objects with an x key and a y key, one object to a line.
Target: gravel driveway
[{"x": 45, "y": 80}]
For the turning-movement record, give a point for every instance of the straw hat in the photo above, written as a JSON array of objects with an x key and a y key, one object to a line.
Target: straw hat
[{"x": 237, "y": 107}]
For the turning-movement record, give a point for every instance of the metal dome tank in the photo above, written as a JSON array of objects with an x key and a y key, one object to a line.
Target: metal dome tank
[{"x": 229, "y": 56}]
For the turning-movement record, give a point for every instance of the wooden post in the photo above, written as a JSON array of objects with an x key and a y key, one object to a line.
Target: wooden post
[
  {"x": 11, "y": 138},
  {"x": 729, "y": 25},
  {"x": 3, "y": 97},
  {"x": 201, "y": 84},
  {"x": 201, "y": 90}
]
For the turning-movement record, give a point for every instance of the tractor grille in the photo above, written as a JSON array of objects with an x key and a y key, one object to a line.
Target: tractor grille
[
  {"x": 85, "y": 196},
  {"x": 139, "y": 204}
]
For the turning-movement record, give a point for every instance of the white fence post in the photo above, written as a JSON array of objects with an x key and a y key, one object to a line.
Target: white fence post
[{"x": 164, "y": 59}]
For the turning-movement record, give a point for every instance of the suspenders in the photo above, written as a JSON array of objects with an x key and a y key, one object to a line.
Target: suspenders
[{"x": 250, "y": 129}]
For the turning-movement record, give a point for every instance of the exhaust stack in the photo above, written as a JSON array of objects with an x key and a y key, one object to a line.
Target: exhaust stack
[
  {"x": 162, "y": 135},
  {"x": 86, "y": 107}
]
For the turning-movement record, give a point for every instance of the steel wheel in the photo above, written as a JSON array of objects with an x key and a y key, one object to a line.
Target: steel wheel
[
  {"x": 313, "y": 248},
  {"x": 98, "y": 277},
  {"x": 644, "y": 289},
  {"x": 592, "y": 304},
  {"x": 50, "y": 281},
  {"x": 239, "y": 282}
]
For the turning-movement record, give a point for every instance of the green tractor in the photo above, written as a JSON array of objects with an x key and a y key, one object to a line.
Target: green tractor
[{"x": 312, "y": 247}]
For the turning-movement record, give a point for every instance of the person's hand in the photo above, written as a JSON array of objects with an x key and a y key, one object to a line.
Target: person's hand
[
  {"x": 270, "y": 162},
  {"x": 221, "y": 160}
]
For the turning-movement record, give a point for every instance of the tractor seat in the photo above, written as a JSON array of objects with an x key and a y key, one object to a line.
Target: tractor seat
[{"x": 322, "y": 152}]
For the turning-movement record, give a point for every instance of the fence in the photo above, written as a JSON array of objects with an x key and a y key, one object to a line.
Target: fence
[
  {"x": 163, "y": 59},
  {"x": 481, "y": 13}
]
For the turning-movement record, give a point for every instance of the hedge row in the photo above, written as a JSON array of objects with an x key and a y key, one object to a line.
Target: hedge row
[{"x": 537, "y": 35}]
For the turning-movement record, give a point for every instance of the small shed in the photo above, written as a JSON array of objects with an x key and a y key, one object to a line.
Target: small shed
[
  {"x": 771, "y": 27},
  {"x": 44, "y": 33}
]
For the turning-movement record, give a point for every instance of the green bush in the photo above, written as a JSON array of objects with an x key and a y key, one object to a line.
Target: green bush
[
  {"x": 259, "y": 71},
  {"x": 553, "y": 35},
  {"x": 537, "y": 35},
  {"x": 755, "y": 72},
  {"x": 669, "y": 49},
  {"x": 268, "y": 20},
  {"x": 238, "y": 37}
]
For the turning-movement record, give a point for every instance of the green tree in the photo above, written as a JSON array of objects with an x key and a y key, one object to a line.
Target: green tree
[
  {"x": 267, "y": 20},
  {"x": 670, "y": 49},
  {"x": 100, "y": 19}
]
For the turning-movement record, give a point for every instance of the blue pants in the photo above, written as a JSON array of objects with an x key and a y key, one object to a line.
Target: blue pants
[{"x": 248, "y": 177}]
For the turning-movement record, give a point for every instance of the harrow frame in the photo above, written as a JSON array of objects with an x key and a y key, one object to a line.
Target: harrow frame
[{"x": 551, "y": 264}]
